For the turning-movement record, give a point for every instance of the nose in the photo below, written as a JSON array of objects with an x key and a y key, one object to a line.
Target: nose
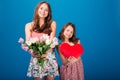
[
  {"x": 43, "y": 11},
  {"x": 69, "y": 32}
]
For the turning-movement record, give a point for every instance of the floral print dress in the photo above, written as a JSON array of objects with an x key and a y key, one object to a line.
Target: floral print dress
[{"x": 50, "y": 65}]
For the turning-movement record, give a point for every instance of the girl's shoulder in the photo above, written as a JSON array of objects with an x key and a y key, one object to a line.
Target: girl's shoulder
[
  {"x": 78, "y": 41},
  {"x": 63, "y": 44},
  {"x": 29, "y": 25},
  {"x": 53, "y": 23}
]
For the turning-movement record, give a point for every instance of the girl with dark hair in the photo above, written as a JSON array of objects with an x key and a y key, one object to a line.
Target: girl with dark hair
[
  {"x": 42, "y": 24},
  {"x": 70, "y": 51}
]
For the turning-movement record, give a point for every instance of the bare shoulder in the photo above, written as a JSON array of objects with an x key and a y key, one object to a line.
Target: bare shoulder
[
  {"x": 78, "y": 42},
  {"x": 53, "y": 24},
  {"x": 29, "y": 25}
]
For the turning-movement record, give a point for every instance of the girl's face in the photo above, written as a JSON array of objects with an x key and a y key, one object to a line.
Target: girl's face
[
  {"x": 43, "y": 10},
  {"x": 68, "y": 32}
]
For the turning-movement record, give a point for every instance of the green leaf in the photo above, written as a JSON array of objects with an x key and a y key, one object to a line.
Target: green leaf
[{"x": 41, "y": 62}]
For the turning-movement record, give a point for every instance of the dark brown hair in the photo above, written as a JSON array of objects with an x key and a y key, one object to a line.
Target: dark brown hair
[
  {"x": 73, "y": 38},
  {"x": 46, "y": 27}
]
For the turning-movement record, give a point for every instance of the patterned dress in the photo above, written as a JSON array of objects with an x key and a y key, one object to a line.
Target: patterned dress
[
  {"x": 50, "y": 65},
  {"x": 75, "y": 70}
]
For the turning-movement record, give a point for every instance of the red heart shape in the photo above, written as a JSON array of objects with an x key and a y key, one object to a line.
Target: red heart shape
[{"x": 68, "y": 50}]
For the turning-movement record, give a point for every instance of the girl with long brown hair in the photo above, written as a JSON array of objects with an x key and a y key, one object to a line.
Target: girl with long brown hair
[{"x": 42, "y": 24}]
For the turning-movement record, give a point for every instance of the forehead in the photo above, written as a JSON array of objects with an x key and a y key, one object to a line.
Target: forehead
[
  {"x": 69, "y": 27},
  {"x": 44, "y": 5}
]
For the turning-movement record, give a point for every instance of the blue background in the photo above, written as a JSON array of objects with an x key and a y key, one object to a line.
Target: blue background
[{"x": 97, "y": 23}]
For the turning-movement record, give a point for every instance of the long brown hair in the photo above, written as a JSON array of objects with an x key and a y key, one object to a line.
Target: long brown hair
[
  {"x": 46, "y": 27},
  {"x": 73, "y": 38}
]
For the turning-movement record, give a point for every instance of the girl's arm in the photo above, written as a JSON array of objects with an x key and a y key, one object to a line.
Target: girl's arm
[
  {"x": 28, "y": 28},
  {"x": 28, "y": 31},
  {"x": 53, "y": 28},
  {"x": 63, "y": 59},
  {"x": 72, "y": 59}
]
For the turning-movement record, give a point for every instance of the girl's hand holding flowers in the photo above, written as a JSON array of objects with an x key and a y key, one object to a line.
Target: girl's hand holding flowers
[{"x": 39, "y": 47}]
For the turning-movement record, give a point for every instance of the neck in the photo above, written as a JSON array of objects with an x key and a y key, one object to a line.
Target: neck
[
  {"x": 41, "y": 22},
  {"x": 66, "y": 40}
]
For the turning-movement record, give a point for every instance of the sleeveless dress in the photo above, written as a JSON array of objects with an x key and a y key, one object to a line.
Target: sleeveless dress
[
  {"x": 50, "y": 66},
  {"x": 75, "y": 70}
]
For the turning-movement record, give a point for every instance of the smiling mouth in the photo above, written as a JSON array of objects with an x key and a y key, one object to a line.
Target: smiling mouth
[{"x": 42, "y": 14}]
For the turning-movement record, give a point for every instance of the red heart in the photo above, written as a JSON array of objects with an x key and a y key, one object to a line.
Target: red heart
[{"x": 68, "y": 50}]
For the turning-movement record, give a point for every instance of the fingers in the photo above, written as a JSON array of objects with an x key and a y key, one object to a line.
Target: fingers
[
  {"x": 44, "y": 56},
  {"x": 36, "y": 55},
  {"x": 50, "y": 50},
  {"x": 72, "y": 59}
]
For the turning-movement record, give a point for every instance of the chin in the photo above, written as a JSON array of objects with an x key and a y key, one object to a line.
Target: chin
[{"x": 42, "y": 16}]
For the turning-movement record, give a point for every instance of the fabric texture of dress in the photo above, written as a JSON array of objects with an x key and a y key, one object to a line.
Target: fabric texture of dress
[
  {"x": 50, "y": 65},
  {"x": 72, "y": 71}
]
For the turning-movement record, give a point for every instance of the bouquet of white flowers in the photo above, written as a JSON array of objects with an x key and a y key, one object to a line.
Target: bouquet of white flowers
[{"x": 39, "y": 46}]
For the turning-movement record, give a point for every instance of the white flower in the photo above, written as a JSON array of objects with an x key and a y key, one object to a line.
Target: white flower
[
  {"x": 44, "y": 37},
  {"x": 52, "y": 45},
  {"x": 28, "y": 43},
  {"x": 55, "y": 41},
  {"x": 48, "y": 42},
  {"x": 42, "y": 44},
  {"x": 33, "y": 40}
]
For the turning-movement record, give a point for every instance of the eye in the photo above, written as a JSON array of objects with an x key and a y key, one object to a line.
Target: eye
[
  {"x": 41, "y": 8},
  {"x": 67, "y": 30},
  {"x": 46, "y": 10},
  {"x": 71, "y": 32}
]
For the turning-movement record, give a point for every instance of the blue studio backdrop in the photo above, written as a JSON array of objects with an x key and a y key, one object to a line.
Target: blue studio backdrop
[{"x": 97, "y": 24}]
